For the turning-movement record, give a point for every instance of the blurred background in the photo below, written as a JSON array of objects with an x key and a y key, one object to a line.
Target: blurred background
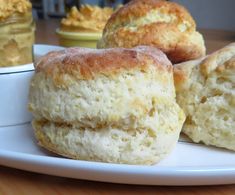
[
  {"x": 44, "y": 9},
  {"x": 210, "y": 14}
]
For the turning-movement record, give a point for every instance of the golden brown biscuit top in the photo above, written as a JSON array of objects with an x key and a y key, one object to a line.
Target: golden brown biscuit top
[
  {"x": 87, "y": 18},
  {"x": 84, "y": 63},
  {"x": 10, "y": 7},
  {"x": 135, "y": 9}
]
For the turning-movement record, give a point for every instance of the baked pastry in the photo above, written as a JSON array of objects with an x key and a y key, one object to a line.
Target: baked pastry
[
  {"x": 163, "y": 24},
  {"x": 206, "y": 91},
  {"x": 88, "y": 106}
]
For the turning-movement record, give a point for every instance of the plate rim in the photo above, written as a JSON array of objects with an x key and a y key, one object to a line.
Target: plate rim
[
  {"x": 36, "y": 160},
  {"x": 33, "y": 157},
  {"x": 77, "y": 169}
]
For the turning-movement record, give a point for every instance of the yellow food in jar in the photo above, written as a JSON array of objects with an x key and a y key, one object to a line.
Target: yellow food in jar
[{"x": 16, "y": 32}]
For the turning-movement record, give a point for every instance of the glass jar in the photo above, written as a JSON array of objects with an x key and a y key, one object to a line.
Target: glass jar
[{"x": 17, "y": 34}]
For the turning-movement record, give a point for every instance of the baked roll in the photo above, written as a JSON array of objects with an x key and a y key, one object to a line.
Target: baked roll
[
  {"x": 113, "y": 105},
  {"x": 162, "y": 24},
  {"x": 206, "y": 92}
]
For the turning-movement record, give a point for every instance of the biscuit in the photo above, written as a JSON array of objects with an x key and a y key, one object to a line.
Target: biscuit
[
  {"x": 162, "y": 24},
  {"x": 205, "y": 90},
  {"x": 110, "y": 105}
]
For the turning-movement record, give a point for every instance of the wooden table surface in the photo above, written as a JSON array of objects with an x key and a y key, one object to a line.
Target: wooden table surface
[{"x": 13, "y": 181}]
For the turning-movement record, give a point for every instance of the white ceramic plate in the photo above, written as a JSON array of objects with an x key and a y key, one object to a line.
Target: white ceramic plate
[{"x": 188, "y": 164}]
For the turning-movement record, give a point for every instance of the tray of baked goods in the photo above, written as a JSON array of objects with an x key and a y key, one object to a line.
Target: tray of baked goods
[{"x": 147, "y": 107}]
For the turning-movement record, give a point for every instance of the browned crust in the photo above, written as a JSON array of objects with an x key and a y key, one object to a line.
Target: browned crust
[
  {"x": 176, "y": 45},
  {"x": 86, "y": 63},
  {"x": 139, "y": 8},
  {"x": 179, "y": 46}
]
